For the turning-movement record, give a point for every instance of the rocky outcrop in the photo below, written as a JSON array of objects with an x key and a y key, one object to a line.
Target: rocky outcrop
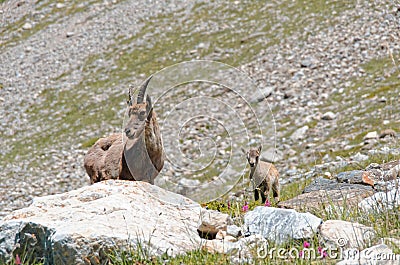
[
  {"x": 316, "y": 201},
  {"x": 280, "y": 225},
  {"x": 325, "y": 193},
  {"x": 82, "y": 226},
  {"x": 350, "y": 189}
]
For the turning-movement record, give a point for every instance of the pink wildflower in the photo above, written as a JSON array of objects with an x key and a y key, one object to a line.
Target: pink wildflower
[
  {"x": 229, "y": 205},
  {"x": 245, "y": 207},
  {"x": 306, "y": 244},
  {"x": 267, "y": 203},
  {"x": 17, "y": 260},
  {"x": 301, "y": 253},
  {"x": 322, "y": 252}
]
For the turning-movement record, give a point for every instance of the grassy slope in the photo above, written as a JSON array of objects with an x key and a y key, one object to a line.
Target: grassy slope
[{"x": 247, "y": 44}]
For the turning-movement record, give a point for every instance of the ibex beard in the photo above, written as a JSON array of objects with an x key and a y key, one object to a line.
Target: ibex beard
[{"x": 137, "y": 154}]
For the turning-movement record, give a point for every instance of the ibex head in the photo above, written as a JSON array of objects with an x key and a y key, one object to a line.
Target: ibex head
[
  {"x": 253, "y": 156},
  {"x": 138, "y": 112}
]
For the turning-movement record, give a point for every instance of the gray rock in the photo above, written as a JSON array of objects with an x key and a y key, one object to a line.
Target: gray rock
[
  {"x": 233, "y": 230},
  {"x": 387, "y": 132},
  {"x": 82, "y": 224},
  {"x": 280, "y": 225},
  {"x": 189, "y": 182},
  {"x": 27, "y": 26},
  {"x": 261, "y": 94},
  {"x": 338, "y": 233},
  {"x": 359, "y": 157},
  {"x": 309, "y": 62},
  {"x": 328, "y": 116},
  {"x": 321, "y": 183},
  {"x": 355, "y": 177},
  {"x": 318, "y": 200},
  {"x": 271, "y": 155},
  {"x": 300, "y": 133}
]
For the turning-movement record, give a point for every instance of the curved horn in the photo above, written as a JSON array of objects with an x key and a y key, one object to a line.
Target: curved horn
[{"x": 142, "y": 90}]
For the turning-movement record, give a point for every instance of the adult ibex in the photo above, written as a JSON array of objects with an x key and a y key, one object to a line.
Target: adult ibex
[
  {"x": 135, "y": 154},
  {"x": 263, "y": 176}
]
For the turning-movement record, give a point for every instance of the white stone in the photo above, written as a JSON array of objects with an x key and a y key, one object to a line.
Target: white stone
[
  {"x": 72, "y": 226},
  {"x": 27, "y": 26},
  {"x": 344, "y": 234},
  {"x": 328, "y": 116},
  {"x": 371, "y": 135},
  {"x": 233, "y": 230},
  {"x": 299, "y": 134},
  {"x": 241, "y": 251},
  {"x": 213, "y": 221},
  {"x": 381, "y": 201},
  {"x": 359, "y": 157},
  {"x": 280, "y": 225}
]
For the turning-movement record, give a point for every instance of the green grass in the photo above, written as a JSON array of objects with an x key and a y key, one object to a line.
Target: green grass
[
  {"x": 68, "y": 111},
  {"x": 193, "y": 257}
]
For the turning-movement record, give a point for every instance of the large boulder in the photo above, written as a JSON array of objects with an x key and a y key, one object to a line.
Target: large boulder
[
  {"x": 280, "y": 225},
  {"x": 81, "y": 226}
]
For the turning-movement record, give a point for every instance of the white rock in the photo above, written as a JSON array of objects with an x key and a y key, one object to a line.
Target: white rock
[
  {"x": 328, "y": 116},
  {"x": 344, "y": 234},
  {"x": 60, "y": 5},
  {"x": 371, "y": 135},
  {"x": 213, "y": 221},
  {"x": 71, "y": 226},
  {"x": 359, "y": 157},
  {"x": 220, "y": 235},
  {"x": 261, "y": 94},
  {"x": 299, "y": 134},
  {"x": 241, "y": 251},
  {"x": 233, "y": 230},
  {"x": 271, "y": 155},
  {"x": 381, "y": 201},
  {"x": 27, "y": 26},
  {"x": 280, "y": 225}
]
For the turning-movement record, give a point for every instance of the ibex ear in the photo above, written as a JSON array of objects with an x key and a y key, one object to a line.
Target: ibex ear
[{"x": 259, "y": 149}]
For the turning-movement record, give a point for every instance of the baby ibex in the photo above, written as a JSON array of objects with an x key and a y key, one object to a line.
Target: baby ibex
[
  {"x": 263, "y": 175},
  {"x": 140, "y": 156}
]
